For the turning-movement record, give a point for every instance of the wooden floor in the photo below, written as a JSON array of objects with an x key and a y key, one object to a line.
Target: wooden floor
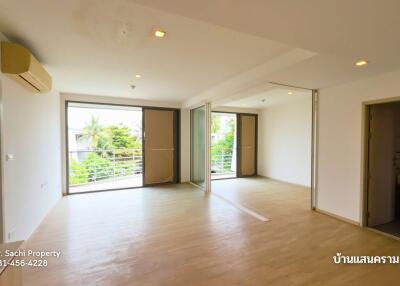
[{"x": 177, "y": 235}]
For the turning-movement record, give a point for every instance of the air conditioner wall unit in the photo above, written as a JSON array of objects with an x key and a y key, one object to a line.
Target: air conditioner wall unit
[{"x": 21, "y": 65}]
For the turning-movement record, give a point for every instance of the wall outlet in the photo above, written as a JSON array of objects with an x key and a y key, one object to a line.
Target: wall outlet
[
  {"x": 11, "y": 234},
  {"x": 9, "y": 157},
  {"x": 43, "y": 185}
]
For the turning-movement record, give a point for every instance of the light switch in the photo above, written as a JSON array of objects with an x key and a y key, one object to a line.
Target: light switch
[{"x": 10, "y": 157}]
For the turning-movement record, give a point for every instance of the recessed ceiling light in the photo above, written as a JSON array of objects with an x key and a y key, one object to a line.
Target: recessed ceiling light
[
  {"x": 159, "y": 33},
  {"x": 290, "y": 93},
  {"x": 138, "y": 76},
  {"x": 361, "y": 63}
]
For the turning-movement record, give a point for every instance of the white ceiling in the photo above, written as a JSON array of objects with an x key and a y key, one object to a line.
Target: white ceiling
[
  {"x": 97, "y": 47},
  {"x": 355, "y": 28},
  {"x": 213, "y": 48},
  {"x": 339, "y": 32},
  {"x": 270, "y": 97}
]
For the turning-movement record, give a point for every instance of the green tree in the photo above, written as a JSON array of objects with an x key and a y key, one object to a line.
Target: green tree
[
  {"x": 97, "y": 167},
  {"x": 223, "y": 148},
  {"x": 121, "y": 137},
  {"x": 78, "y": 173},
  {"x": 95, "y": 134},
  {"x": 215, "y": 124},
  {"x": 123, "y": 143},
  {"x": 121, "y": 148}
]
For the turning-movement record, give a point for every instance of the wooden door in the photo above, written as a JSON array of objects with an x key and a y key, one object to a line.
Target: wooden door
[
  {"x": 381, "y": 176},
  {"x": 160, "y": 146},
  {"x": 247, "y": 145}
]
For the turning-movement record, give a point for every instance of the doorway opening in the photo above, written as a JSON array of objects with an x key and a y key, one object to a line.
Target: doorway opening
[
  {"x": 382, "y": 176},
  {"x": 223, "y": 145},
  {"x": 276, "y": 139},
  {"x": 114, "y": 147},
  {"x": 104, "y": 147}
]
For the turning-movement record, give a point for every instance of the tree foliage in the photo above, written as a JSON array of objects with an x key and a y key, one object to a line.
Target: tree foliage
[
  {"x": 115, "y": 148},
  {"x": 78, "y": 173},
  {"x": 97, "y": 167},
  {"x": 93, "y": 133},
  {"x": 223, "y": 148},
  {"x": 121, "y": 138}
]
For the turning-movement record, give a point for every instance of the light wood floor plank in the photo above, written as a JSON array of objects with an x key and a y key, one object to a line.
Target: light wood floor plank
[{"x": 178, "y": 235}]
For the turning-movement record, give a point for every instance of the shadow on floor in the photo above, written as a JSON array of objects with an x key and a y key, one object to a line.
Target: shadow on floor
[{"x": 392, "y": 228}]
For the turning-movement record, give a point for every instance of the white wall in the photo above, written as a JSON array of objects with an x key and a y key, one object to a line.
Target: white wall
[
  {"x": 235, "y": 109},
  {"x": 340, "y": 141},
  {"x": 285, "y": 142},
  {"x": 30, "y": 129}
]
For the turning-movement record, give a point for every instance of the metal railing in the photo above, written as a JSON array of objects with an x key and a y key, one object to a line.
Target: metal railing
[
  {"x": 91, "y": 166},
  {"x": 221, "y": 160}
]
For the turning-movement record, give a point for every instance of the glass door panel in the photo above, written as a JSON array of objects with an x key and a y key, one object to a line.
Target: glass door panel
[
  {"x": 104, "y": 147},
  {"x": 198, "y": 145}
]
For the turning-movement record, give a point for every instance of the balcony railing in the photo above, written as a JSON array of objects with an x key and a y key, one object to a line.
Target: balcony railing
[
  {"x": 91, "y": 166},
  {"x": 221, "y": 160}
]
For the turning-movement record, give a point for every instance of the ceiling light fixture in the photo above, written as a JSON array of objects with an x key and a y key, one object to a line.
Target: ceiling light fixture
[
  {"x": 290, "y": 93},
  {"x": 138, "y": 76},
  {"x": 361, "y": 63},
  {"x": 159, "y": 33}
]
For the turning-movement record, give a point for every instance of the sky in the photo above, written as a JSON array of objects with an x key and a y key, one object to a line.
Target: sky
[{"x": 79, "y": 116}]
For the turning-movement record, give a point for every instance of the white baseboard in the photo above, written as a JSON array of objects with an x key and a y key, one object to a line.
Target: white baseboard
[
  {"x": 285, "y": 182},
  {"x": 338, "y": 217}
]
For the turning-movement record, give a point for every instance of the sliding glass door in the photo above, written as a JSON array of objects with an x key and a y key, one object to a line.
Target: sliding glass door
[
  {"x": 104, "y": 145},
  {"x": 198, "y": 146},
  {"x": 223, "y": 145}
]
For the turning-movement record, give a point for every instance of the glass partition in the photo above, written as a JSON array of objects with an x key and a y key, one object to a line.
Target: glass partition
[
  {"x": 198, "y": 145},
  {"x": 104, "y": 147}
]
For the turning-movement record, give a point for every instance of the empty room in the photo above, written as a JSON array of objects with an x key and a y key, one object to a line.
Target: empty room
[{"x": 199, "y": 142}]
